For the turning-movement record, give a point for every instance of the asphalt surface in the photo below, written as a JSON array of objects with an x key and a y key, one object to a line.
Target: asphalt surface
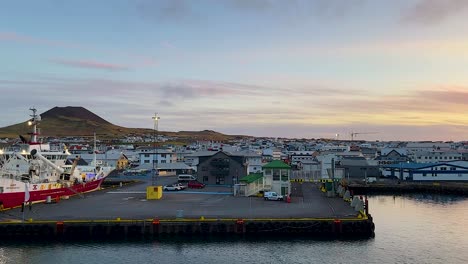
[{"x": 129, "y": 202}]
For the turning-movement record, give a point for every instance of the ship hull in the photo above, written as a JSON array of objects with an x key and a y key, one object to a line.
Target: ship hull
[{"x": 14, "y": 199}]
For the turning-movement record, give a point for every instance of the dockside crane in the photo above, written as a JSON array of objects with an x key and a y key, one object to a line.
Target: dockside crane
[{"x": 353, "y": 134}]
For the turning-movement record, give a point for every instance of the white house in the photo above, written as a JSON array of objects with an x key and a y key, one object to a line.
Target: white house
[
  {"x": 150, "y": 155},
  {"x": 276, "y": 177},
  {"x": 437, "y": 156}
]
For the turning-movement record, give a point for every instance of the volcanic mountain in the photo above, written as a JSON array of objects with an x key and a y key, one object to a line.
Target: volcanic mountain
[{"x": 79, "y": 121}]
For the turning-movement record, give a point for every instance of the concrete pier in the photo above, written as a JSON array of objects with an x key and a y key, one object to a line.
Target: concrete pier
[{"x": 125, "y": 213}]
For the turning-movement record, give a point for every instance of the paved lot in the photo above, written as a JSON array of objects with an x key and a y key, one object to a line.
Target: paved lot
[{"x": 129, "y": 202}]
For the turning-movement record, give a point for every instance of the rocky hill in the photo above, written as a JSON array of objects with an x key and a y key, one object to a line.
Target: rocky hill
[{"x": 79, "y": 121}]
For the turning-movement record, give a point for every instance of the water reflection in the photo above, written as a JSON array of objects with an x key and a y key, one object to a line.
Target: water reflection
[{"x": 409, "y": 229}]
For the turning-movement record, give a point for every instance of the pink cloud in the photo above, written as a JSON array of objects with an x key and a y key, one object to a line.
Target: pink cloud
[
  {"x": 136, "y": 60},
  {"x": 433, "y": 11},
  {"x": 428, "y": 100},
  {"x": 91, "y": 64}
]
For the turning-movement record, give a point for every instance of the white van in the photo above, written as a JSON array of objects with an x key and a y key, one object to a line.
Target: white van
[
  {"x": 272, "y": 196},
  {"x": 186, "y": 177}
]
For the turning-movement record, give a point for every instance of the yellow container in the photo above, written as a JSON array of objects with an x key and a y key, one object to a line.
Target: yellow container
[{"x": 153, "y": 192}]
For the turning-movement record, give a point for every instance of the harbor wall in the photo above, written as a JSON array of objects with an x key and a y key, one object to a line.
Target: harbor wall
[{"x": 155, "y": 228}]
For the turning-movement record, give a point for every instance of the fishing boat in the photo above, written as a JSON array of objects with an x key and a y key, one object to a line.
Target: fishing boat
[{"x": 33, "y": 172}]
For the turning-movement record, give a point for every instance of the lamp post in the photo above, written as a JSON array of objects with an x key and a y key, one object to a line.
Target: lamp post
[
  {"x": 155, "y": 128},
  {"x": 365, "y": 175}
]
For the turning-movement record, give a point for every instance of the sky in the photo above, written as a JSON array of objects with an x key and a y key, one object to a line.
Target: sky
[{"x": 391, "y": 70}]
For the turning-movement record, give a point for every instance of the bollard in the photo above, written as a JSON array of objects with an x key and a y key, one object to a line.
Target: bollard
[
  {"x": 359, "y": 206},
  {"x": 347, "y": 196},
  {"x": 354, "y": 201}
]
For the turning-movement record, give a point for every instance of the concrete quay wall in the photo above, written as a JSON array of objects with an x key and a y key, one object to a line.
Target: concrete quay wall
[{"x": 155, "y": 228}]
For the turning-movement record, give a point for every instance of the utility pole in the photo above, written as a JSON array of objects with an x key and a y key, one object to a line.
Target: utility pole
[{"x": 155, "y": 129}]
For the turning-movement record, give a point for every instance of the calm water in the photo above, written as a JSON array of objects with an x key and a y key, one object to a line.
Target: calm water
[{"x": 411, "y": 229}]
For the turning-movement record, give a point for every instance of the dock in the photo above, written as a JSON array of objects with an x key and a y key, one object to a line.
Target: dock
[
  {"x": 449, "y": 188},
  {"x": 124, "y": 212}
]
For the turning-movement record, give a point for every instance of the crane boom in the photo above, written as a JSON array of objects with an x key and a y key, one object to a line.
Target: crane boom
[{"x": 353, "y": 134}]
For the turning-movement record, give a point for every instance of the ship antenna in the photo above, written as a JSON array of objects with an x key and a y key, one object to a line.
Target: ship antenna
[
  {"x": 94, "y": 158},
  {"x": 34, "y": 121}
]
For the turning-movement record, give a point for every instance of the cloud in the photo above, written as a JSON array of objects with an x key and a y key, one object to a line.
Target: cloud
[
  {"x": 90, "y": 64},
  {"x": 203, "y": 88},
  {"x": 165, "y": 10},
  {"x": 434, "y": 11},
  {"x": 432, "y": 106},
  {"x": 166, "y": 103},
  {"x": 247, "y": 109},
  {"x": 292, "y": 10},
  {"x": 451, "y": 95},
  {"x": 135, "y": 60}
]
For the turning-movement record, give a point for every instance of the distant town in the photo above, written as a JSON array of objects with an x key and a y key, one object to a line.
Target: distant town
[{"x": 227, "y": 162}]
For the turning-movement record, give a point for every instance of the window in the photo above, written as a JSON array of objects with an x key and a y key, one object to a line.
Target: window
[
  {"x": 276, "y": 175},
  {"x": 443, "y": 168},
  {"x": 284, "y": 175},
  {"x": 204, "y": 168},
  {"x": 163, "y": 155},
  {"x": 146, "y": 161},
  {"x": 163, "y": 161},
  {"x": 453, "y": 168},
  {"x": 146, "y": 155},
  {"x": 424, "y": 174},
  {"x": 205, "y": 178},
  {"x": 268, "y": 172}
]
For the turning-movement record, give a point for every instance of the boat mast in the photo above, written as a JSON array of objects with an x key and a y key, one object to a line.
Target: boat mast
[
  {"x": 94, "y": 159},
  {"x": 34, "y": 121}
]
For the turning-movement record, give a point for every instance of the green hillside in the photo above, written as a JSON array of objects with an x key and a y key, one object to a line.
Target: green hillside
[{"x": 78, "y": 121}]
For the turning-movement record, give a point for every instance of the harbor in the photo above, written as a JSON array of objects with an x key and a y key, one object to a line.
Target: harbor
[
  {"x": 124, "y": 212},
  {"x": 449, "y": 188}
]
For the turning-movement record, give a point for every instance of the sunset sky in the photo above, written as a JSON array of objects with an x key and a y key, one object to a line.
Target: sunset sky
[{"x": 255, "y": 67}]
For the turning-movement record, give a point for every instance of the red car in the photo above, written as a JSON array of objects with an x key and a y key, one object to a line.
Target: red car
[{"x": 196, "y": 185}]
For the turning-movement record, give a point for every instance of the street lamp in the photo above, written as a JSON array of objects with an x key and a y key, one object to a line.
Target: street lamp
[
  {"x": 155, "y": 128},
  {"x": 365, "y": 175}
]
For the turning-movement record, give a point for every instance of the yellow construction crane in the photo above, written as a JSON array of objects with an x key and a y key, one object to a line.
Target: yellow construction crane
[{"x": 353, "y": 134}]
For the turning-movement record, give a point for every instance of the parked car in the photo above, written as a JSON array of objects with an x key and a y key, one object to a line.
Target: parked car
[
  {"x": 272, "y": 196},
  {"x": 173, "y": 187},
  {"x": 182, "y": 186},
  {"x": 196, "y": 185}
]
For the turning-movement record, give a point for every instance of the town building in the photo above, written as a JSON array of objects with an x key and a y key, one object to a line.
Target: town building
[{"x": 440, "y": 171}]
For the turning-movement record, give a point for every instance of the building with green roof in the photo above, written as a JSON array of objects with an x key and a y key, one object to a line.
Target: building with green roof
[
  {"x": 250, "y": 185},
  {"x": 276, "y": 177}
]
